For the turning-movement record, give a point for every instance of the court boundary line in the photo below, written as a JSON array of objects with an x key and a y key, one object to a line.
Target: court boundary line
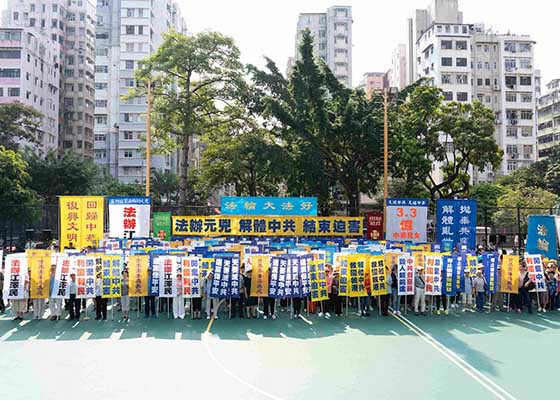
[{"x": 474, "y": 373}]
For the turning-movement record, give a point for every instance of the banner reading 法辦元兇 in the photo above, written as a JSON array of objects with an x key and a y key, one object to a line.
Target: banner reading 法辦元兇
[
  {"x": 541, "y": 236},
  {"x": 407, "y": 219},
  {"x": 39, "y": 264},
  {"x": 81, "y": 221},
  {"x": 267, "y": 226},
  {"x": 14, "y": 277},
  {"x": 510, "y": 274},
  {"x": 138, "y": 267},
  {"x": 269, "y": 206},
  {"x": 129, "y": 217},
  {"x": 456, "y": 222}
]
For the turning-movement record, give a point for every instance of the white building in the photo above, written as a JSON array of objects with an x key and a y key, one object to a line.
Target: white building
[
  {"x": 548, "y": 111},
  {"x": 29, "y": 75},
  {"x": 398, "y": 76},
  {"x": 127, "y": 31},
  {"x": 332, "y": 33}
]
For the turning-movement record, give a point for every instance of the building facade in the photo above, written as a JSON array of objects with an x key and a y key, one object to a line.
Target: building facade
[
  {"x": 332, "y": 33},
  {"x": 29, "y": 74},
  {"x": 127, "y": 32},
  {"x": 398, "y": 76},
  {"x": 375, "y": 82},
  {"x": 548, "y": 111}
]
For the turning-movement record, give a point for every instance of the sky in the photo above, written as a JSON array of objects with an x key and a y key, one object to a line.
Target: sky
[{"x": 267, "y": 27}]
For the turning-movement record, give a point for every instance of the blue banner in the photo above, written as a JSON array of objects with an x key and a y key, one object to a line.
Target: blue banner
[
  {"x": 303, "y": 206},
  {"x": 449, "y": 275},
  {"x": 541, "y": 236},
  {"x": 274, "y": 289},
  {"x": 225, "y": 283},
  {"x": 456, "y": 222},
  {"x": 490, "y": 271}
]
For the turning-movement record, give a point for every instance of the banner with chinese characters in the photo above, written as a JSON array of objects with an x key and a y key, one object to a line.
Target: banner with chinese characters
[
  {"x": 225, "y": 283},
  {"x": 259, "y": 285},
  {"x": 460, "y": 274},
  {"x": 61, "y": 278},
  {"x": 168, "y": 276},
  {"x": 111, "y": 277},
  {"x": 305, "y": 284},
  {"x": 292, "y": 285},
  {"x": 14, "y": 277},
  {"x": 407, "y": 220},
  {"x": 162, "y": 225},
  {"x": 472, "y": 265},
  {"x": 510, "y": 274},
  {"x": 541, "y": 236},
  {"x": 375, "y": 226},
  {"x": 129, "y": 217},
  {"x": 456, "y": 222},
  {"x": 267, "y": 226},
  {"x": 39, "y": 263},
  {"x": 81, "y": 221},
  {"x": 318, "y": 280},
  {"x": 344, "y": 279},
  {"x": 433, "y": 265},
  {"x": 191, "y": 276},
  {"x": 405, "y": 275},
  {"x": 357, "y": 274},
  {"x": 536, "y": 271},
  {"x": 138, "y": 270},
  {"x": 306, "y": 206},
  {"x": 449, "y": 275},
  {"x": 277, "y": 275},
  {"x": 154, "y": 275},
  {"x": 378, "y": 275},
  {"x": 85, "y": 276},
  {"x": 490, "y": 270}
]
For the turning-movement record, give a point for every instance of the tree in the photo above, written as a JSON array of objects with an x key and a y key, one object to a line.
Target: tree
[
  {"x": 15, "y": 196},
  {"x": 18, "y": 122},
  {"x": 425, "y": 132},
  {"x": 165, "y": 186},
  {"x": 529, "y": 201},
  {"x": 69, "y": 174},
  {"x": 337, "y": 128},
  {"x": 197, "y": 80},
  {"x": 487, "y": 196},
  {"x": 109, "y": 186}
]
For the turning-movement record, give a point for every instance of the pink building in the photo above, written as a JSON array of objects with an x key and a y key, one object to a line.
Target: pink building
[{"x": 375, "y": 82}]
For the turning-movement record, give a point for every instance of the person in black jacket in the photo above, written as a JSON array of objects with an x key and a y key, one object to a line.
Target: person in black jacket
[
  {"x": 525, "y": 286},
  {"x": 395, "y": 299}
]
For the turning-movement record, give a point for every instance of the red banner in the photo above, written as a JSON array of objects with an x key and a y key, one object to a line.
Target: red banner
[{"x": 375, "y": 226}]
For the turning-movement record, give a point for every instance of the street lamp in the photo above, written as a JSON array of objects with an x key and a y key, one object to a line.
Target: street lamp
[{"x": 148, "y": 135}]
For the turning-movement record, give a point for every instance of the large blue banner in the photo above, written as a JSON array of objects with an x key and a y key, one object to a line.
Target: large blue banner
[
  {"x": 541, "y": 236},
  {"x": 225, "y": 283},
  {"x": 449, "y": 276},
  {"x": 490, "y": 270},
  {"x": 456, "y": 222},
  {"x": 304, "y": 206}
]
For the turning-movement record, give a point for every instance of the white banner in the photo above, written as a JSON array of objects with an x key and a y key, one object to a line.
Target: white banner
[
  {"x": 61, "y": 278},
  {"x": 407, "y": 220},
  {"x": 433, "y": 267},
  {"x": 84, "y": 268},
  {"x": 405, "y": 275},
  {"x": 15, "y": 275},
  {"x": 536, "y": 271},
  {"x": 191, "y": 276},
  {"x": 168, "y": 275},
  {"x": 129, "y": 216}
]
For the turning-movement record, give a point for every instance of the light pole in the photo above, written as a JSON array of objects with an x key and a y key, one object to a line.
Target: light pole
[
  {"x": 148, "y": 136},
  {"x": 386, "y": 93}
]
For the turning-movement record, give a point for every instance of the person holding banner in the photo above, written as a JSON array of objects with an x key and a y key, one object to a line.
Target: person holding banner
[
  {"x": 2, "y": 305},
  {"x": 525, "y": 287},
  {"x": 251, "y": 301},
  {"x": 73, "y": 302},
  {"x": 420, "y": 292},
  {"x": 467, "y": 295},
  {"x": 211, "y": 302},
  {"x": 552, "y": 287},
  {"x": 179, "y": 301},
  {"x": 393, "y": 285},
  {"x": 100, "y": 301},
  {"x": 55, "y": 304},
  {"x": 480, "y": 286},
  {"x": 337, "y": 300},
  {"x": 19, "y": 306},
  {"x": 125, "y": 299}
]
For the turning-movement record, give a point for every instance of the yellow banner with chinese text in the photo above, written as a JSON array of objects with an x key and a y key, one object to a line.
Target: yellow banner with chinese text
[
  {"x": 81, "y": 221},
  {"x": 261, "y": 268},
  {"x": 39, "y": 262}
]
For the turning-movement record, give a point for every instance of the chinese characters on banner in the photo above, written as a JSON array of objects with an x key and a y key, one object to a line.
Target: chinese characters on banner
[
  {"x": 378, "y": 276},
  {"x": 259, "y": 284},
  {"x": 344, "y": 281},
  {"x": 14, "y": 277},
  {"x": 168, "y": 277},
  {"x": 433, "y": 274},
  {"x": 306, "y": 206},
  {"x": 154, "y": 275},
  {"x": 191, "y": 276},
  {"x": 277, "y": 277},
  {"x": 541, "y": 236},
  {"x": 226, "y": 277},
  {"x": 304, "y": 274},
  {"x": 111, "y": 277},
  {"x": 318, "y": 280},
  {"x": 405, "y": 275},
  {"x": 162, "y": 225},
  {"x": 267, "y": 226},
  {"x": 39, "y": 262},
  {"x": 449, "y": 275},
  {"x": 61, "y": 278},
  {"x": 357, "y": 273},
  {"x": 85, "y": 277},
  {"x": 292, "y": 287},
  {"x": 456, "y": 222},
  {"x": 407, "y": 220},
  {"x": 375, "y": 226},
  {"x": 129, "y": 217},
  {"x": 490, "y": 269},
  {"x": 138, "y": 267},
  {"x": 81, "y": 220},
  {"x": 536, "y": 271},
  {"x": 510, "y": 274},
  {"x": 472, "y": 265},
  {"x": 459, "y": 275}
]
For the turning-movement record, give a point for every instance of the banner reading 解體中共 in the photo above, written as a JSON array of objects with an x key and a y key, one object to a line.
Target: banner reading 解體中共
[
  {"x": 162, "y": 225},
  {"x": 129, "y": 217},
  {"x": 138, "y": 272},
  {"x": 407, "y": 220},
  {"x": 260, "y": 266},
  {"x": 510, "y": 274},
  {"x": 14, "y": 277},
  {"x": 378, "y": 275},
  {"x": 111, "y": 276},
  {"x": 267, "y": 226},
  {"x": 456, "y": 222},
  {"x": 81, "y": 221},
  {"x": 541, "y": 236},
  {"x": 39, "y": 264}
]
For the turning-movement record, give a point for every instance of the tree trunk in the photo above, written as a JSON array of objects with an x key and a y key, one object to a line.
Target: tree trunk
[
  {"x": 183, "y": 181},
  {"x": 353, "y": 196}
]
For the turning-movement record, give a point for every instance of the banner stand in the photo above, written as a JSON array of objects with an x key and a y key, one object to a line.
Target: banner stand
[
  {"x": 112, "y": 310},
  {"x": 291, "y": 308},
  {"x": 138, "y": 310},
  {"x": 378, "y": 304},
  {"x": 405, "y": 304},
  {"x": 157, "y": 306},
  {"x": 538, "y": 300},
  {"x": 167, "y": 306},
  {"x": 347, "y": 305},
  {"x": 490, "y": 302},
  {"x": 508, "y": 308}
]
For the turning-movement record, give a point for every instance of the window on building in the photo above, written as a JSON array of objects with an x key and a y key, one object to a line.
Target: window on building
[
  {"x": 487, "y": 82},
  {"x": 526, "y": 114},
  {"x": 447, "y": 44},
  {"x": 461, "y": 62},
  {"x": 129, "y": 64},
  {"x": 511, "y": 81},
  {"x": 446, "y": 62},
  {"x": 526, "y": 131},
  {"x": 10, "y": 72},
  {"x": 140, "y": 29},
  {"x": 510, "y": 64},
  {"x": 480, "y": 81},
  {"x": 479, "y": 64},
  {"x": 445, "y": 78},
  {"x": 447, "y": 29},
  {"x": 128, "y": 135},
  {"x": 525, "y": 63},
  {"x": 16, "y": 16},
  {"x": 511, "y": 166},
  {"x": 100, "y": 103},
  {"x": 455, "y": 29},
  {"x": 462, "y": 79},
  {"x": 130, "y": 12},
  {"x": 11, "y": 54},
  {"x": 465, "y": 31},
  {"x": 130, "y": 47},
  {"x": 511, "y": 149},
  {"x": 100, "y": 154},
  {"x": 526, "y": 97},
  {"x": 101, "y": 119},
  {"x": 525, "y": 80},
  {"x": 524, "y": 47},
  {"x": 129, "y": 29},
  {"x": 13, "y": 92},
  {"x": 511, "y": 131},
  {"x": 511, "y": 97},
  {"x": 127, "y": 154},
  {"x": 462, "y": 96},
  {"x": 448, "y": 96},
  {"x": 461, "y": 45},
  {"x": 480, "y": 97},
  {"x": 510, "y": 46},
  {"x": 103, "y": 69},
  {"x": 527, "y": 150}
]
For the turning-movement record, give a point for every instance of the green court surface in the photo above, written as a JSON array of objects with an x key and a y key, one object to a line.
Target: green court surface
[{"x": 460, "y": 356}]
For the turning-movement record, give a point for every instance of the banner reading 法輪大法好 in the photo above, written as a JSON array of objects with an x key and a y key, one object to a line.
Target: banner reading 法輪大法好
[
  {"x": 81, "y": 221},
  {"x": 269, "y": 206},
  {"x": 407, "y": 219},
  {"x": 129, "y": 217},
  {"x": 456, "y": 222},
  {"x": 267, "y": 226}
]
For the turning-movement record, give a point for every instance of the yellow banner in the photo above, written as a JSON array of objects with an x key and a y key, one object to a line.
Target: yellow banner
[
  {"x": 267, "y": 226},
  {"x": 472, "y": 265},
  {"x": 378, "y": 275},
  {"x": 509, "y": 282},
  {"x": 357, "y": 274},
  {"x": 39, "y": 263},
  {"x": 419, "y": 260},
  {"x": 261, "y": 268},
  {"x": 138, "y": 267},
  {"x": 81, "y": 221},
  {"x": 207, "y": 264},
  {"x": 111, "y": 277},
  {"x": 318, "y": 280},
  {"x": 392, "y": 259}
]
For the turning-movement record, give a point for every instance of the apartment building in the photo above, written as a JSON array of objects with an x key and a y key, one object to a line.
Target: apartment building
[
  {"x": 127, "y": 32},
  {"x": 398, "y": 76},
  {"x": 332, "y": 33},
  {"x": 548, "y": 112},
  {"x": 373, "y": 82},
  {"x": 29, "y": 74}
]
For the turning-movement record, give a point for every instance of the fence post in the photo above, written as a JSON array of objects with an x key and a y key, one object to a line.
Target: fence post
[
  {"x": 519, "y": 240},
  {"x": 486, "y": 224}
]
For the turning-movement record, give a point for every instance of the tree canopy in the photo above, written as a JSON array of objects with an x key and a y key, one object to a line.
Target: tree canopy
[{"x": 18, "y": 122}]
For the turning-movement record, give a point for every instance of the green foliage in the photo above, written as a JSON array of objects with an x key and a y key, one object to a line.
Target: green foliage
[
  {"x": 164, "y": 187},
  {"x": 530, "y": 200},
  {"x": 18, "y": 121},
  {"x": 487, "y": 196},
  {"x": 69, "y": 174},
  {"x": 17, "y": 199},
  {"x": 109, "y": 186}
]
